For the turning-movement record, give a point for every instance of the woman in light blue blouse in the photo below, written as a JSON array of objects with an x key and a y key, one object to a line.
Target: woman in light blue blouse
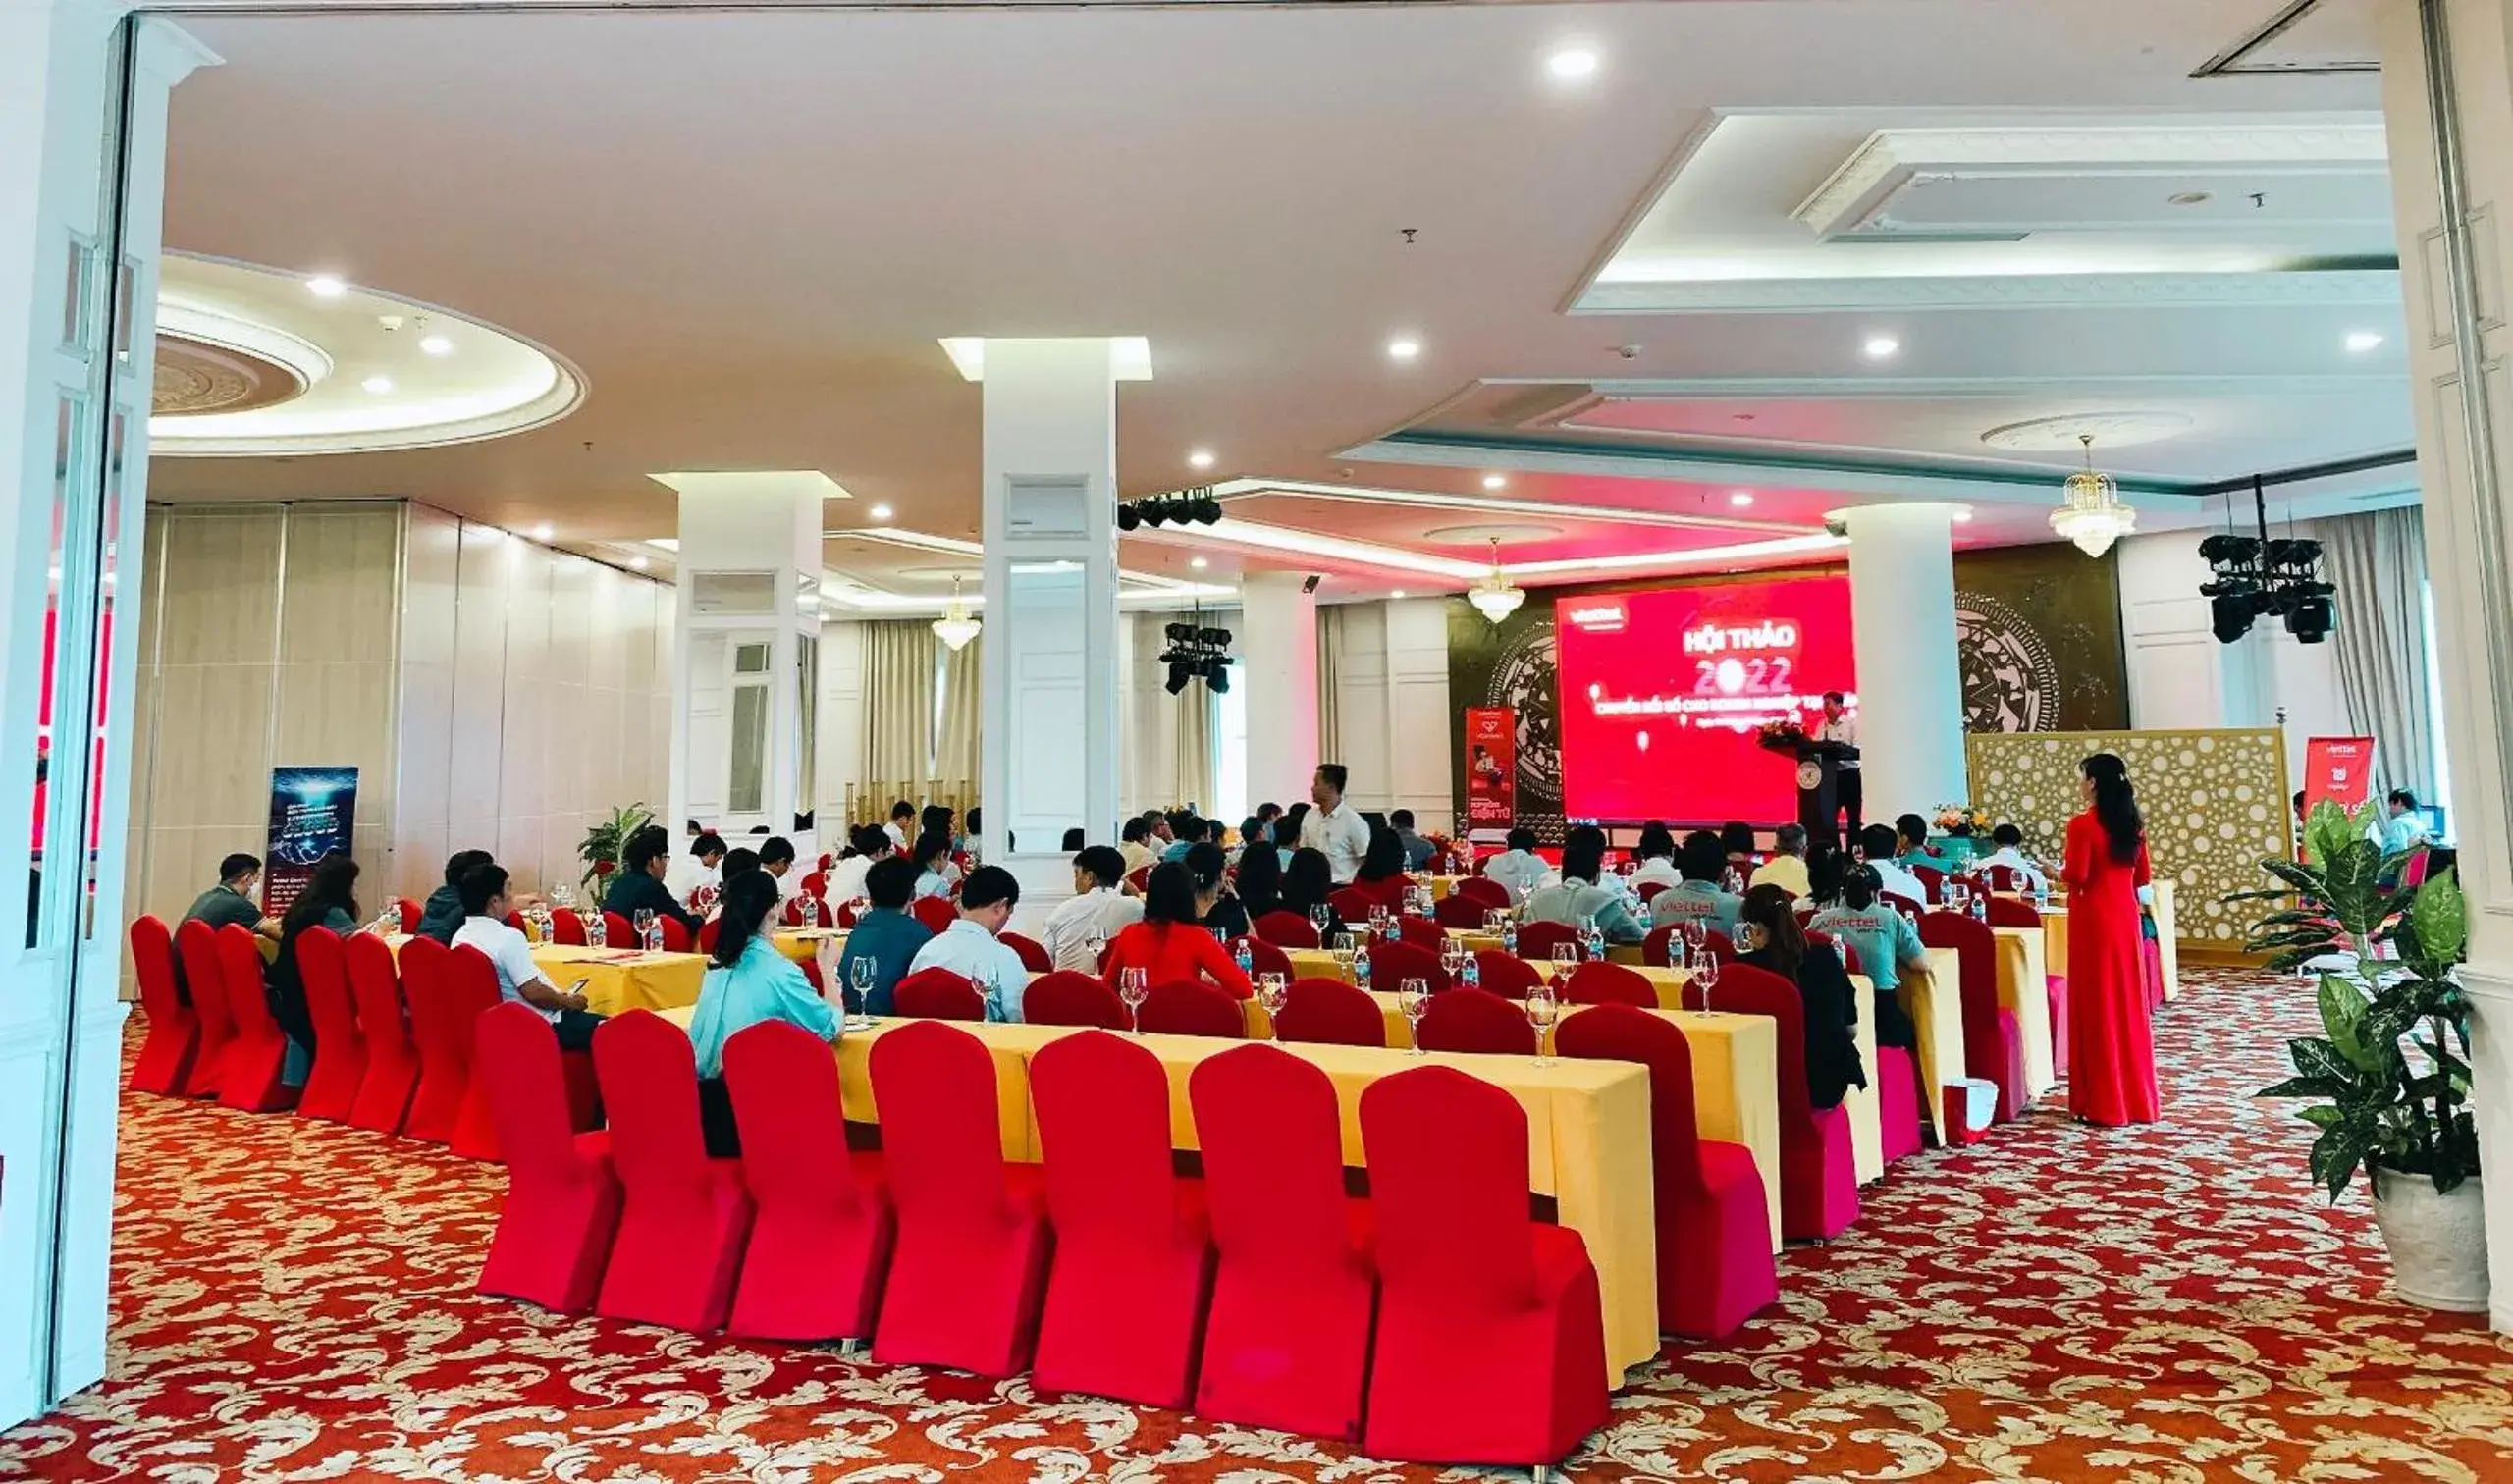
[
  {"x": 748, "y": 981},
  {"x": 1887, "y": 944}
]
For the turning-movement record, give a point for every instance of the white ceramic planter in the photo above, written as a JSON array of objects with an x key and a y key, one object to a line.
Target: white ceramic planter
[{"x": 2437, "y": 1241}]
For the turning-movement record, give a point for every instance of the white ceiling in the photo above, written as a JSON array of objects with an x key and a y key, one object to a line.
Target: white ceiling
[{"x": 748, "y": 230}]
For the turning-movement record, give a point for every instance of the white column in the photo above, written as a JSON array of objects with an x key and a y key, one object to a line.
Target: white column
[
  {"x": 1278, "y": 666},
  {"x": 2468, "y": 556},
  {"x": 1047, "y": 740},
  {"x": 1910, "y": 689},
  {"x": 62, "y": 66}
]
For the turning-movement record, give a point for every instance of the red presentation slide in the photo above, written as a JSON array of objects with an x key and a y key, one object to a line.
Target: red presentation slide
[{"x": 1663, "y": 693}]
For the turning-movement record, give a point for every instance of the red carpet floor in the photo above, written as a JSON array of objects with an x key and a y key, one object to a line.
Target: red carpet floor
[{"x": 292, "y": 1302}]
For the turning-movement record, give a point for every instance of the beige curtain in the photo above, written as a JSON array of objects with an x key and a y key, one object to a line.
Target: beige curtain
[
  {"x": 1195, "y": 769},
  {"x": 1330, "y": 658},
  {"x": 898, "y": 705},
  {"x": 2378, "y": 562},
  {"x": 955, "y": 749}
]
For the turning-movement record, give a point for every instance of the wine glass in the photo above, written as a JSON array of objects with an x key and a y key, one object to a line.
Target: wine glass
[
  {"x": 1319, "y": 916},
  {"x": 1134, "y": 987},
  {"x": 1566, "y": 957},
  {"x": 1452, "y": 955},
  {"x": 563, "y": 896},
  {"x": 859, "y": 977},
  {"x": 1413, "y": 998},
  {"x": 1343, "y": 949},
  {"x": 1494, "y": 920},
  {"x": 1543, "y": 1009},
  {"x": 1697, "y": 935},
  {"x": 643, "y": 920},
  {"x": 1707, "y": 975},
  {"x": 1272, "y": 989}
]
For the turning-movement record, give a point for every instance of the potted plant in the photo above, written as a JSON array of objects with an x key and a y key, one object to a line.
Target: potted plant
[
  {"x": 606, "y": 842},
  {"x": 2389, "y": 1090}
]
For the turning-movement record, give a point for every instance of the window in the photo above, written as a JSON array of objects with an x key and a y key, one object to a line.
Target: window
[{"x": 748, "y": 785}]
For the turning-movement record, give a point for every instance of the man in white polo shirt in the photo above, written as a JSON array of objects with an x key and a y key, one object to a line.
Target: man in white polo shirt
[
  {"x": 484, "y": 927},
  {"x": 1333, "y": 828}
]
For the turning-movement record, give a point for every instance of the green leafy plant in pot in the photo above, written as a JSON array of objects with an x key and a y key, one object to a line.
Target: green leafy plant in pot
[
  {"x": 607, "y": 841},
  {"x": 2390, "y": 1091}
]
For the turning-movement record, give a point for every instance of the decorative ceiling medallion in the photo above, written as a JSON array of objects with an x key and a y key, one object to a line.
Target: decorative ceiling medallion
[
  {"x": 195, "y": 377},
  {"x": 1508, "y": 532},
  {"x": 2112, "y": 430}
]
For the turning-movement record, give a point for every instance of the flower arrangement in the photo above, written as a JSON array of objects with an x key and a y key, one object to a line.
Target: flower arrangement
[
  {"x": 1961, "y": 821},
  {"x": 1781, "y": 736}
]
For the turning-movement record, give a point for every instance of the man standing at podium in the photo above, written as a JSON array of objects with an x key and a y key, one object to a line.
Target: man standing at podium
[{"x": 1839, "y": 725}]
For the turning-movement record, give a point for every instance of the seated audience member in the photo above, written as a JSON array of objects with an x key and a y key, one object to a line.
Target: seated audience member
[
  {"x": 1418, "y": 850},
  {"x": 1075, "y": 840},
  {"x": 1266, "y": 814},
  {"x": 902, "y": 825},
  {"x": 1736, "y": 841},
  {"x": 1218, "y": 908},
  {"x": 1519, "y": 869},
  {"x": 1656, "y": 853},
  {"x": 2403, "y": 826},
  {"x": 1910, "y": 843},
  {"x": 442, "y": 915},
  {"x": 1309, "y": 884},
  {"x": 698, "y": 870},
  {"x": 231, "y": 902},
  {"x": 1134, "y": 842},
  {"x": 864, "y": 844},
  {"x": 1092, "y": 917},
  {"x": 329, "y": 900},
  {"x": 1824, "y": 871},
  {"x": 1887, "y": 944},
  {"x": 1786, "y": 868},
  {"x": 1698, "y": 897},
  {"x": 736, "y": 863},
  {"x": 1382, "y": 877},
  {"x": 1258, "y": 878},
  {"x": 485, "y": 905},
  {"x": 1773, "y": 940},
  {"x": 1169, "y": 943},
  {"x": 972, "y": 841},
  {"x": 1185, "y": 832},
  {"x": 2009, "y": 853},
  {"x": 748, "y": 981},
  {"x": 776, "y": 858},
  {"x": 638, "y": 884},
  {"x": 1579, "y": 896},
  {"x": 972, "y": 948},
  {"x": 938, "y": 818},
  {"x": 935, "y": 874},
  {"x": 1878, "y": 841},
  {"x": 887, "y": 934}
]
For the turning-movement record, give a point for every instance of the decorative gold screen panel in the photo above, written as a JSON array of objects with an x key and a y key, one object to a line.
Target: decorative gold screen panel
[{"x": 2215, "y": 802}]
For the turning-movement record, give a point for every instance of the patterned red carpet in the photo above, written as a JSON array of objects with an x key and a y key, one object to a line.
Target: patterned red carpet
[{"x": 292, "y": 1302}]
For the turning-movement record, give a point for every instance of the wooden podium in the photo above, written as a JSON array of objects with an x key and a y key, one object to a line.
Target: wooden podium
[{"x": 1818, "y": 784}]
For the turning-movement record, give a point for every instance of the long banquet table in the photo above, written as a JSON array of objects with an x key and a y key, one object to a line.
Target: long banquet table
[{"x": 1587, "y": 1137}]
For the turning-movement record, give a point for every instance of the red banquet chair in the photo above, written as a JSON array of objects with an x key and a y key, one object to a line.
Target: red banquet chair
[
  {"x": 562, "y": 1201},
  {"x": 1818, "y": 1175},
  {"x": 1490, "y": 1347},
  {"x": 1658, "y": 949},
  {"x": 1483, "y": 892},
  {"x": 565, "y": 927},
  {"x": 1932, "y": 879},
  {"x": 1353, "y": 904},
  {"x": 1034, "y": 954},
  {"x": 249, "y": 1079},
  {"x": 1648, "y": 891},
  {"x": 383, "y": 1098},
  {"x": 1477, "y": 1021},
  {"x": 466, "y": 989},
  {"x": 970, "y": 1266},
  {"x": 1287, "y": 929},
  {"x": 1505, "y": 975},
  {"x": 1134, "y": 1252},
  {"x": 1715, "y": 1264},
  {"x": 1264, "y": 958},
  {"x": 707, "y": 935},
  {"x": 1458, "y": 910},
  {"x": 1899, "y": 903},
  {"x": 935, "y": 912},
  {"x": 1330, "y": 1012},
  {"x": 821, "y": 1227},
  {"x": 443, "y": 1042},
  {"x": 1138, "y": 879},
  {"x": 340, "y": 1049},
  {"x": 1287, "y": 1335},
  {"x": 1192, "y": 1007},
  {"x": 684, "y": 1216},
  {"x": 1069, "y": 997},
  {"x": 1993, "y": 1041},
  {"x": 676, "y": 934},
  {"x": 2004, "y": 878},
  {"x": 412, "y": 911},
  {"x": 174, "y": 1031},
  {"x": 2008, "y": 912},
  {"x": 938, "y": 994},
  {"x": 618, "y": 931},
  {"x": 1538, "y": 940},
  {"x": 196, "y": 950},
  {"x": 1422, "y": 931},
  {"x": 1611, "y": 985},
  {"x": 1392, "y": 964}
]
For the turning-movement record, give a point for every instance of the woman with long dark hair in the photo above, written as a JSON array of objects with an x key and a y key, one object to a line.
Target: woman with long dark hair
[
  {"x": 1171, "y": 942},
  {"x": 1382, "y": 877},
  {"x": 1258, "y": 880},
  {"x": 1309, "y": 884},
  {"x": 2111, "y": 1058},
  {"x": 1218, "y": 908},
  {"x": 329, "y": 900},
  {"x": 1768, "y": 922},
  {"x": 748, "y": 981}
]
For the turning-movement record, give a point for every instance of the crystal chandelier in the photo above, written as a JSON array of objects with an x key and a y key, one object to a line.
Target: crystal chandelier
[
  {"x": 1495, "y": 596},
  {"x": 955, "y": 628},
  {"x": 2093, "y": 516}
]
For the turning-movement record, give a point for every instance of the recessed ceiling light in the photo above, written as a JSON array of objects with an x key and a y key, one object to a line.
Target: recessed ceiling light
[
  {"x": 326, "y": 285},
  {"x": 435, "y": 344},
  {"x": 379, "y": 385},
  {"x": 1742, "y": 499},
  {"x": 2362, "y": 341},
  {"x": 1496, "y": 482},
  {"x": 881, "y": 512},
  {"x": 1404, "y": 348},
  {"x": 1202, "y": 459},
  {"x": 638, "y": 564},
  {"x": 1571, "y": 62},
  {"x": 1198, "y": 562},
  {"x": 1881, "y": 347},
  {"x": 1962, "y": 514},
  {"x": 1399, "y": 593},
  {"x": 543, "y": 530}
]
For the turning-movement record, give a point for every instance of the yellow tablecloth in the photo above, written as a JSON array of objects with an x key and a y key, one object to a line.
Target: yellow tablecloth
[
  {"x": 646, "y": 981},
  {"x": 1587, "y": 1140},
  {"x": 1933, "y": 997},
  {"x": 800, "y": 943},
  {"x": 2024, "y": 988}
]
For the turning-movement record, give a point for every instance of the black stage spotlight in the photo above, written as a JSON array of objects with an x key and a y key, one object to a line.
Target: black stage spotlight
[
  {"x": 1152, "y": 513},
  {"x": 2231, "y": 615},
  {"x": 1127, "y": 519},
  {"x": 1218, "y": 675},
  {"x": 1179, "y": 633},
  {"x": 2310, "y": 619},
  {"x": 1207, "y": 509},
  {"x": 1180, "y": 674}
]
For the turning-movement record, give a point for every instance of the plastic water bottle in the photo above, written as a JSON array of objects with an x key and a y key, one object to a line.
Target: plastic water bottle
[
  {"x": 1362, "y": 963},
  {"x": 2041, "y": 894},
  {"x": 1980, "y": 905},
  {"x": 1595, "y": 938},
  {"x": 1247, "y": 961},
  {"x": 597, "y": 931},
  {"x": 1736, "y": 882},
  {"x": 1509, "y": 937},
  {"x": 1471, "y": 974}
]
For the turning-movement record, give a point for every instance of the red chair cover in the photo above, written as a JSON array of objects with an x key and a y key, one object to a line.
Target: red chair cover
[
  {"x": 2004, "y": 879},
  {"x": 1134, "y": 1253},
  {"x": 970, "y": 1267},
  {"x": 1331, "y": 1012},
  {"x": 1611, "y": 985},
  {"x": 1034, "y": 955},
  {"x": 1353, "y": 904},
  {"x": 561, "y": 1207},
  {"x": 1191, "y": 1007},
  {"x": 1715, "y": 1265},
  {"x": 412, "y": 911},
  {"x": 1067, "y": 997},
  {"x": 815, "y": 884},
  {"x": 1476, "y": 1020},
  {"x": 196, "y": 950},
  {"x": 1287, "y": 929},
  {"x": 684, "y": 1217},
  {"x": 1392, "y": 964},
  {"x": 468, "y": 989},
  {"x": 444, "y": 1046},
  {"x": 340, "y": 1050},
  {"x": 1483, "y": 892},
  {"x": 1287, "y": 1335},
  {"x": 938, "y": 994},
  {"x": 1138, "y": 879},
  {"x": 1458, "y": 910},
  {"x": 1491, "y": 1345},
  {"x": 935, "y": 912},
  {"x": 822, "y": 1227},
  {"x": 1422, "y": 932},
  {"x": 566, "y": 927},
  {"x": 250, "y": 1078},
  {"x": 1510, "y": 977},
  {"x": 1818, "y": 1177},
  {"x": 618, "y": 931},
  {"x": 164, "y": 1058},
  {"x": 1650, "y": 890},
  {"x": 2012, "y": 911},
  {"x": 1538, "y": 940},
  {"x": 1264, "y": 958},
  {"x": 1658, "y": 949},
  {"x": 675, "y": 935},
  {"x": 1718, "y": 945},
  {"x": 1993, "y": 1041},
  {"x": 707, "y": 935},
  {"x": 1931, "y": 878},
  {"x": 392, "y": 1058},
  {"x": 1897, "y": 1103}
]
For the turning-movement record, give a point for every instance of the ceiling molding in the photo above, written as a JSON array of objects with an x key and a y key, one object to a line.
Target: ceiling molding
[
  {"x": 2036, "y": 291},
  {"x": 2257, "y": 54},
  {"x": 1911, "y": 387},
  {"x": 1495, "y": 505}
]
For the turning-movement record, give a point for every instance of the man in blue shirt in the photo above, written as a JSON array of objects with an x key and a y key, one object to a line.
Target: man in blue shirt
[
  {"x": 886, "y": 936},
  {"x": 972, "y": 948},
  {"x": 1187, "y": 832},
  {"x": 1698, "y": 897}
]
